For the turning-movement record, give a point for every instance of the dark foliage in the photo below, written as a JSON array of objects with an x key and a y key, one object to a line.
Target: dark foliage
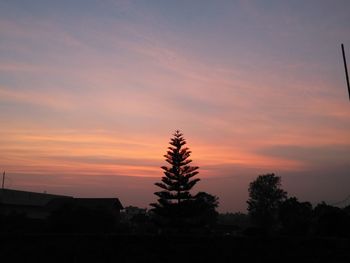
[
  {"x": 331, "y": 221},
  {"x": 142, "y": 224},
  {"x": 204, "y": 209},
  {"x": 71, "y": 218},
  {"x": 265, "y": 197},
  {"x": 232, "y": 224},
  {"x": 295, "y": 216}
]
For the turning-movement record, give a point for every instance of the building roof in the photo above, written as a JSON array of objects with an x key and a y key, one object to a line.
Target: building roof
[
  {"x": 24, "y": 198},
  {"x": 17, "y": 197}
]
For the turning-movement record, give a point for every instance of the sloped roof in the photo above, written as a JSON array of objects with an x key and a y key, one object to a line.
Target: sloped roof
[
  {"x": 17, "y": 197},
  {"x": 24, "y": 198}
]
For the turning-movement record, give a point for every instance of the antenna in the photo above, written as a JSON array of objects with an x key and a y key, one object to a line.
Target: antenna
[
  {"x": 346, "y": 69},
  {"x": 3, "y": 180}
]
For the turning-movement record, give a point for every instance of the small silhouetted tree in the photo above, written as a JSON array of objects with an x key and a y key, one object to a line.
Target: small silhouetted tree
[
  {"x": 265, "y": 197},
  {"x": 331, "y": 221},
  {"x": 175, "y": 199},
  {"x": 204, "y": 209},
  {"x": 295, "y": 216}
]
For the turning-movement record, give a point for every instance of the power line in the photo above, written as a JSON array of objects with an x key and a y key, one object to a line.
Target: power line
[
  {"x": 342, "y": 201},
  {"x": 346, "y": 69}
]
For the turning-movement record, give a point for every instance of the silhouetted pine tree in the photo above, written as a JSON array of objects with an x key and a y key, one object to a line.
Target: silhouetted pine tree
[{"x": 175, "y": 199}]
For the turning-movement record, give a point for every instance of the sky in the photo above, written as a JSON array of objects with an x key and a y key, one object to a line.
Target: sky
[{"x": 92, "y": 91}]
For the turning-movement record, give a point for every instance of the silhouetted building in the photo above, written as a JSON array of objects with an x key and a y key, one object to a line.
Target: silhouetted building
[
  {"x": 41, "y": 205},
  {"x": 33, "y": 205}
]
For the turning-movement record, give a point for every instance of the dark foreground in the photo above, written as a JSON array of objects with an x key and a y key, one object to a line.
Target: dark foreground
[{"x": 117, "y": 248}]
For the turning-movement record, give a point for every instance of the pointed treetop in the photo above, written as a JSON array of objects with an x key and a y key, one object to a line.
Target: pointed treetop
[
  {"x": 178, "y": 134},
  {"x": 178, "y": 139}
]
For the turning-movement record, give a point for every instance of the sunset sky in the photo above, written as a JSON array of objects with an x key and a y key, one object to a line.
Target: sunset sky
[{"x": 92, "y": 91}]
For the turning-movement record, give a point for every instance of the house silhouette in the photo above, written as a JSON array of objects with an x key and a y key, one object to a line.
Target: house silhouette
[{"x": 40, "y": 205}]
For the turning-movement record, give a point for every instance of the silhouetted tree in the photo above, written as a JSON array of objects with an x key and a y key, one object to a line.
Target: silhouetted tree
[
  {"x": 175, "y": 198},
  {"x": 331, "y": 221},
  {"x": 295, "y": 216},
  {"x": 239, "y": 219},
  {"x": 204, "y": 209},
  {"x": 265, "y": 197}
]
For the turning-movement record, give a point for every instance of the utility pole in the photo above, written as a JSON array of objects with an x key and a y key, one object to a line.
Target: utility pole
[
  {"x": 3, "y": 180},
  {"x": 346, "y": 69}
]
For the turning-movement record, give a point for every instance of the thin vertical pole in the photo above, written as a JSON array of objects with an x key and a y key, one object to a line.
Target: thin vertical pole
[
  {"x": 346, "y": 69},
  {"x": 3, "y": 180}
]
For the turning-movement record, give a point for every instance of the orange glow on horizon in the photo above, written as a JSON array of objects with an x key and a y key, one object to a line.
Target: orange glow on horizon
[{"x": 103, "y": 154}]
